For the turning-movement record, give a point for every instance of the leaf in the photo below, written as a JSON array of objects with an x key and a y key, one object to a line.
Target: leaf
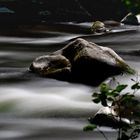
[
  {"x": 104, "y": 102},
  {"x": 136, "y": 86},
  {"x": 132, "y": 80},
  {"x": 113, "y": 93},
  {"x": 90, "y": 127},
  {"x": 126, "y": 97},
  {"x": 129, "y": 101},
  {"x": 120, "y": 88},
  {"x": 95, "y": 94},
  {"x": 104, "y": 88},
  {"x": 96, "y": 100},
  {"x": 110, "y": 99}
]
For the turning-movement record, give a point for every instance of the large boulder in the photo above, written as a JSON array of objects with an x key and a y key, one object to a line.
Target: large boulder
[{"x": 80, "y": 61}]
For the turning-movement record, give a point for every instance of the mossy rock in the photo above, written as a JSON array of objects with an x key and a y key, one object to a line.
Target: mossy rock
[{"x": 98, "y": 27}]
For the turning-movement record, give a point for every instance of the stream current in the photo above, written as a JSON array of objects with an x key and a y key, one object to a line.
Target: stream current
[{"x": 36, "y": 108}]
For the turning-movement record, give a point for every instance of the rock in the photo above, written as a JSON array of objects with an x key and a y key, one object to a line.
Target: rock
[
  {"x": 55, "y": 66},
  {"x": 129, "y": 109},
  {"x": 111, "y": 23},
  {"x": 81, "y": 61},
  {"x": 109, "y": 116},
  {"x": 98, "y": 27},
  {"x": 105, "y": 117},
  {"x": 131, "y": 19}
]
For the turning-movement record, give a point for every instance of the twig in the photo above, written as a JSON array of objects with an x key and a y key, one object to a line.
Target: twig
[{"x": 103, "y": 134}]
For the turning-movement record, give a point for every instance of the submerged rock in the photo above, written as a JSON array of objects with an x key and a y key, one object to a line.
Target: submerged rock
[
  {"x": 81, "y": 61},
  {"x": 111, "y": 23}
]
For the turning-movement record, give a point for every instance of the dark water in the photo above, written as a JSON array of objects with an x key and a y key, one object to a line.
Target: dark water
[{"x": 35, "y": 108}]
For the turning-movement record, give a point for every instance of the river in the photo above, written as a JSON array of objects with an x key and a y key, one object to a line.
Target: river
[{"x": 36, "y": 108}]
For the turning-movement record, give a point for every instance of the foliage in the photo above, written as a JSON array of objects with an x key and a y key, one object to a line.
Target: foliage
[
  {"x": 90, "y": 127},
  {"x": 124, "y": 104},
  {"x": 132, "y": 5}
]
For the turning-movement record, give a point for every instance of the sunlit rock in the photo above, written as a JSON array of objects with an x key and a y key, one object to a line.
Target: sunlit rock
[{"x": 81, "y": 61}]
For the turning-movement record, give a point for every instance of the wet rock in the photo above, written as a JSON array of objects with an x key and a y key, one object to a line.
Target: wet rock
[
  {"x": 111, "y": 23},
  {"x": 131, "y": 19},
  {"x": 98, "y": 27},
  {"x": 53, "y": 66},
  {"x": 81, "y": 61},
  {"x": 129, "y": 109},
  {"x": 109, "y": 116},
  {"x": 105, "y": 117}
]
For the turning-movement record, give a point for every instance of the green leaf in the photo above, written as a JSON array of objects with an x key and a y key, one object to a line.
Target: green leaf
[
  {"x": 90, "y": 127},
  {"x": 104, "y": 88},
  {"x": 96, "y": 94},
  {"x": 127, "y": 100},
  {"x": 96, "y": 100},
  {"x": 110, "y": 99},
  {"x": 136, "y": 86},
  {"x": 120, "y": 88},
  {"x": 127, "y": 97},
  {"x": 113, "y": 93},
  {"x": 104, "y": 102}
]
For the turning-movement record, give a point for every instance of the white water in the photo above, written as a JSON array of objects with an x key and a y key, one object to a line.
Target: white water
[{"x": 35, "y": 108}]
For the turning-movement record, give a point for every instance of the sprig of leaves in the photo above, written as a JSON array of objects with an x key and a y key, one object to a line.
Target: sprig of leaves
[
  {"x": 123, "y": 101},
  {"x": 107, "y": 95}
]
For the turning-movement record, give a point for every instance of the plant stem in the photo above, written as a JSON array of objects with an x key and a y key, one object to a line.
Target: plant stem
[
  {"x": 102, "y": 134},
  {"x": 118, "y": 104}
]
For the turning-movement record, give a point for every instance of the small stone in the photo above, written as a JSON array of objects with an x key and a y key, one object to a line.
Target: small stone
[{"x": 98, "y": 27}]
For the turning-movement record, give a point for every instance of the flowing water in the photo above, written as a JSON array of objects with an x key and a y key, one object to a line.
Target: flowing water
[{"x": 36, "y": 108}]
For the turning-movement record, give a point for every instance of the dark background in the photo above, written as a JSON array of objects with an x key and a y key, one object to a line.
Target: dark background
[{"x": 42, "y": 11}]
